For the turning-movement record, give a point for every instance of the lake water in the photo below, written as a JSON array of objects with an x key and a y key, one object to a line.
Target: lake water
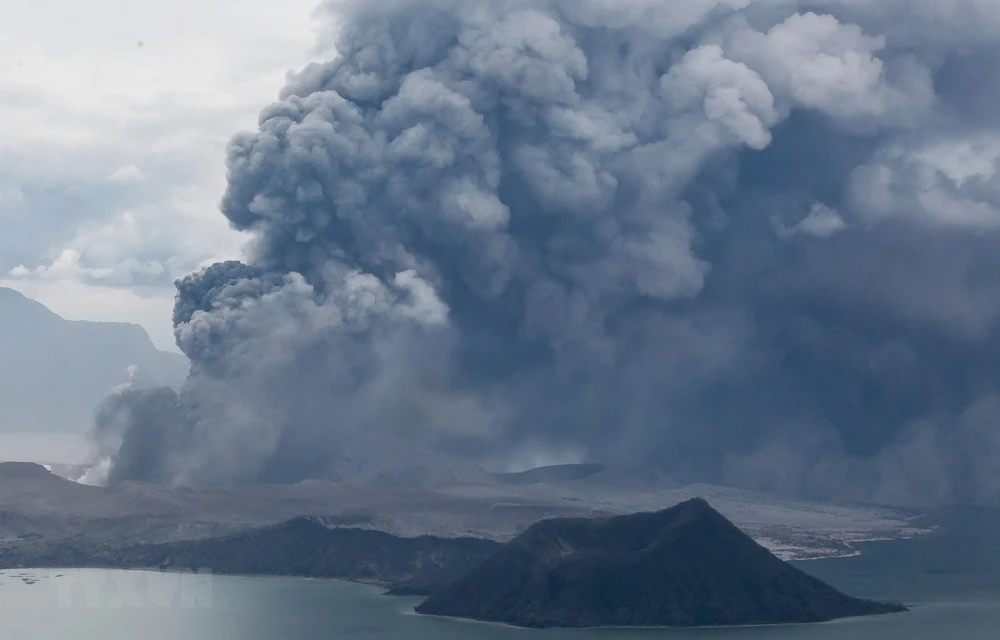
[{"x": 952, "y": 580}]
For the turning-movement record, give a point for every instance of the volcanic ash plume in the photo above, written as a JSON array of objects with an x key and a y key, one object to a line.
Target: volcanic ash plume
[{"x": 748, "y": 241}]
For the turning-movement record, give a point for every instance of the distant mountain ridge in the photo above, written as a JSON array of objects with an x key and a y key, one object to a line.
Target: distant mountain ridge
[
  {"x": 685, "y": 566},
  {"x": 55, "y": 372}
]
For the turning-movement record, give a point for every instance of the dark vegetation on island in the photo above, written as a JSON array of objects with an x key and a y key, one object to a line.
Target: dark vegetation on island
[
  {"x": 682, "y": 567},
  {"x": 302, "y": 546}
]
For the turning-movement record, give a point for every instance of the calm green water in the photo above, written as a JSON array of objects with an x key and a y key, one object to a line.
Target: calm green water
[{"x": 953, "y": 581}]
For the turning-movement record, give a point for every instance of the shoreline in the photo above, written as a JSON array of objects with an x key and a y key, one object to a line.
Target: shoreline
[
  {"x": 507, "y": 625},
  {"x": 372, "y": 585},
  {"x": 369, "y": 585},
  {"x": 381, "y": 590}
]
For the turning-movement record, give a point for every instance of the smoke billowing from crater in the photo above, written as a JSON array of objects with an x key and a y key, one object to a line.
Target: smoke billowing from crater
[{"x": 748, "y": 241}]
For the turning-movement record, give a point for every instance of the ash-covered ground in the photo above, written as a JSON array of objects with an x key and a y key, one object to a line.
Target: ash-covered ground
[{"x": 39, "y": 508}]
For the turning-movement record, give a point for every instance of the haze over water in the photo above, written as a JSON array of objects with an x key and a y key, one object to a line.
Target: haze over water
[{"x": 951, "y": 580}]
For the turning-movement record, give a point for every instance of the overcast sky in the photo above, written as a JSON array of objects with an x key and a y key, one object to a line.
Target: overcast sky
[{"x": 114, "y": 115}]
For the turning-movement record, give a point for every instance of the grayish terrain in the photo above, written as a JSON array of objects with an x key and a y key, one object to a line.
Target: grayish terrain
[
  {"x": 54, "y": 372},
  {"x": 39, "y": 508}
]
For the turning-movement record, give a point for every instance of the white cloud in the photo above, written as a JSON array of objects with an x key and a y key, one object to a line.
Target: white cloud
[
  {"x": 128, "y": 173},
  {"x": 731, "y": 96},
  {"x": 11, "y": 202},
  {"x": 962, "y": 161},
  {"x": 821, "y": 222},
  {"x": 113, "y": 158},
  {"x": 952, "y": 183},
  {"x": 817, "y": 62},
  {"x": 11, "y": 196}
]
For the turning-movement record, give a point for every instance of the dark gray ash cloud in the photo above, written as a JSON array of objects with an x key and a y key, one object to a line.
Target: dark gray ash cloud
[{"x": 747, "y": 241}]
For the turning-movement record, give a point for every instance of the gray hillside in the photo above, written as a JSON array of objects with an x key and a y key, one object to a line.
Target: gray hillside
[
  {"x": 686, "y": 566},
  {"x": 54, "y": 372}
]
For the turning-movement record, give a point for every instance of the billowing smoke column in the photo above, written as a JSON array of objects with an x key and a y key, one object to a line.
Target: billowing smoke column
[{"x": 748, "y": 241}]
